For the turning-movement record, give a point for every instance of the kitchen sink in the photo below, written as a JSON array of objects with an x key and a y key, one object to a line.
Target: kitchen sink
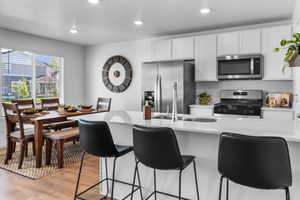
[{"x": 184, "y": 118}]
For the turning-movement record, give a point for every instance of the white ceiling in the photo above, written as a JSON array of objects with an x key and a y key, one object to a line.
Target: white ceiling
[{"x": 112, "y": 20}]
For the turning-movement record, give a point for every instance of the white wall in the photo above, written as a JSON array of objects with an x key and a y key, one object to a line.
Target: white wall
[
  {"x": 74, "y": 79},
  {"x": 136, "y": 52}
]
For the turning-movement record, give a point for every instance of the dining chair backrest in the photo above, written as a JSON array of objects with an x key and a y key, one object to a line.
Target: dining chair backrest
[
  {"x": 24, "y": 104},
  {"x": 259, "y": 162},
  {"x": 13, "y": 117},
  {"x": 50, "y": 103},
  {"x": 157, "y": 147},
  {"x": 103, "y": 104},
  {"x": 96, "y": 138}
]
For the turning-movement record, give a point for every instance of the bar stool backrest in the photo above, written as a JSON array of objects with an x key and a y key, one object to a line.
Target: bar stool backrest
[
  {"x": 96, "y": 138},
  {"x": 259, "y": 162},
  {"x": 157, "y": 147}
]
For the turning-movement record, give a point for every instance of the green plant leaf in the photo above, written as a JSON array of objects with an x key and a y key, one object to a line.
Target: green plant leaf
[
  {"x": 283, "y": 43},
  {"x": 276, "y": 49}
]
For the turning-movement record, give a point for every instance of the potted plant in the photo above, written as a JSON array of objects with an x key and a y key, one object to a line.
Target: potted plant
[
  {"x": 204, "y": 98},
  {"x": 291, "y": 57}
]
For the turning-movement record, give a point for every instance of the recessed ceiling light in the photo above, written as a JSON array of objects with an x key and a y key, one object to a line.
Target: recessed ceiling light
[
  {"x": 93, "y": 1},
  {"x": 138, "y": 22},
  {"x": 74, "y": 30},
  {"x": 205, "y": 11}
]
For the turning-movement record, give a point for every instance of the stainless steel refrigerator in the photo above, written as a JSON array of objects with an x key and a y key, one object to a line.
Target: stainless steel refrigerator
[{"x": 157, "y": 83}]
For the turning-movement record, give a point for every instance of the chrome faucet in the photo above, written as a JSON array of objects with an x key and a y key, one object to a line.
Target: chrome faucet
[{"x": 174, "y": 112}]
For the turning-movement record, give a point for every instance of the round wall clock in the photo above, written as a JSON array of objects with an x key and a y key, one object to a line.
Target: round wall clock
[{"x": 117, "y": 74}]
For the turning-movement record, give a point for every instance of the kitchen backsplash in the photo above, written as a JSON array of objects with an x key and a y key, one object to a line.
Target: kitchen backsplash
[{"x": 213, "y": 88}]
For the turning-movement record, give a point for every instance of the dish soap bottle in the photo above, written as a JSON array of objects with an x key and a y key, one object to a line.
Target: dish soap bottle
[{"x": 147, "y": 111}]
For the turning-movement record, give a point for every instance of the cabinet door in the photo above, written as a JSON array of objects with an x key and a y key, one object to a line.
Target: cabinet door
[
  {"x": 228, "y": 43},
  {"x": 205, "y": 58},
  {"x": 183, "y": 48},
  {"x": 161, "y": 50},
  {"x": 250, "y": 41},
  {"x": 274, "y": 60}
]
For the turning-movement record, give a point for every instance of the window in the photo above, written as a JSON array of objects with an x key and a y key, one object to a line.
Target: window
[{"x": 29, "y": 75}]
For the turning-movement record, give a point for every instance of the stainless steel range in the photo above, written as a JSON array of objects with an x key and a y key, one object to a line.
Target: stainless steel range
[{"x": 242, "y": 103}]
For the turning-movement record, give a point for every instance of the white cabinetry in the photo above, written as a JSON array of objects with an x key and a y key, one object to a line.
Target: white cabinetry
[
  {"x": 161, "y": 50},
  {"x": 202, "y": 110},
  {"x": 228, "y": 43},
  {"x": 250, "y": 41},
  {"x": 205, "y": 58},
  {"x": 242, "y": 42},
  {"x": 278, "y": 113},
  {"x": 183, "y": 48},
  {"x": 274, "y": 60}
]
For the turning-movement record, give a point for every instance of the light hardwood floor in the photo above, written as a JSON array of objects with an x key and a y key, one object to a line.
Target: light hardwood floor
[{"x": 59, "y": 186}]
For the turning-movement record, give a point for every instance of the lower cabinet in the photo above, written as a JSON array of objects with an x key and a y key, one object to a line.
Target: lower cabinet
[
  {"x": 278, "y": 114},
  {"x": 202, "y": 110}
]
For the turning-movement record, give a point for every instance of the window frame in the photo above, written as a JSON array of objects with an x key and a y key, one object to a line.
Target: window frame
[{"x": 33, "y": 80}]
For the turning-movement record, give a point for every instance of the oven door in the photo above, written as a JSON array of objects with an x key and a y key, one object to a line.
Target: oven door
[{"x": 240, "y": 68}]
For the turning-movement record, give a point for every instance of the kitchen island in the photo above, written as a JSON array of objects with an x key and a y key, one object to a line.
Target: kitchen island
[{"x": 201, "y": 140}]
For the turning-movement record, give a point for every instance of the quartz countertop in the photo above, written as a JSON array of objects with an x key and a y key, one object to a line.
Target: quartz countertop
[{"x": 289, "y": 129}]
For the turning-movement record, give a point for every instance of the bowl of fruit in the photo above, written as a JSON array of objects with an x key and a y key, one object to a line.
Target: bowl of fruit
[
  {"x": 85, "y": 107},
  {"x": 70, "y": 109},
  {"x": 29, "y": 111}
]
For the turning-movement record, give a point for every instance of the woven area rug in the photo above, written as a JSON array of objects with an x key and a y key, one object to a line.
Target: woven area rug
[{"x": 72, "y": 157}]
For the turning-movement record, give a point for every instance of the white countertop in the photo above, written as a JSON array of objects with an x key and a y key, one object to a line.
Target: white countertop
[
  {"x": 281, "y": 109},
  {"x": 289, "y": 129}
]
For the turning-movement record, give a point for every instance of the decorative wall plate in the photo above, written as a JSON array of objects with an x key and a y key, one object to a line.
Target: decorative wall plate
[{"x": 117, "y": 74}]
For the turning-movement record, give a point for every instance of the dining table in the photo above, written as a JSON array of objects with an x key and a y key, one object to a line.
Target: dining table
[{"x": 40, "y": 119}]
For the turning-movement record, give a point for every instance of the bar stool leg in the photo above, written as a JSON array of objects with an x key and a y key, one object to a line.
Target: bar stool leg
[
  {"x": 220, "y": 188},
  {"x": 227, "y": 190},
  {"x": 139, "y": 180},
  {"x": 154, "y": 173},
  {"x": 79, "y": 174},
  {"x": 113, "y": 179},
  {"x": 197, "y": 188},
  {"x": 180, "y": 184},
  {"x": 107, "y": 179},
  {"x": 287, "y": 193}
]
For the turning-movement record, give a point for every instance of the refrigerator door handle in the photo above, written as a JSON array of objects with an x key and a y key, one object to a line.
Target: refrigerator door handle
[
  {"x": 156, "y": 94},
  {"x": 159, "y": 93}
]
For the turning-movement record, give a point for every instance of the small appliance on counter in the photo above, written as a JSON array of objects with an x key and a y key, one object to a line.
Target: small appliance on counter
[
  {"x": 240, "y": 103},
  {"x": 279, "y": 100}
]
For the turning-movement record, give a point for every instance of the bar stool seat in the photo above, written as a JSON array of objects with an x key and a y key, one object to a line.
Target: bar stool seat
[
  {"x": 122, "y": 150},
  {"x": 186, "y": 161}
]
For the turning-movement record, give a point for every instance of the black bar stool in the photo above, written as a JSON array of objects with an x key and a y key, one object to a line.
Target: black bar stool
[
  {"x": 258, "y": 162},
  {"x": 96, "y": 139},
  {"x": 157, "y": 148}
]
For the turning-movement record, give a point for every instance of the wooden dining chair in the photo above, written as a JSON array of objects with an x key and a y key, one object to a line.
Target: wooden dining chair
[
  {"x": 50, "y": 103},
  {"x": 103, "y": 104},
  {"x": 24, "y": 104},
  {"x": 22, "y": 136}
]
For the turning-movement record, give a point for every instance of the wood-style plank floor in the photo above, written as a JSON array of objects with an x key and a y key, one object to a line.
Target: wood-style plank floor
[{"x": 59, "y": 186}]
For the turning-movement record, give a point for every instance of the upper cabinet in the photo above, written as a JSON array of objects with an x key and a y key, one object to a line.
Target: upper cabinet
[
  {"x": 273, "y": 64},
  {"x": 250, "y": 41},
  {"x": 228, "y": 43},
  {"x": 183, "y": 48},
  {"x": 205, "y": 58},
  {"x": 242, "y": 42},
  {"x": 161, "y": 50}
]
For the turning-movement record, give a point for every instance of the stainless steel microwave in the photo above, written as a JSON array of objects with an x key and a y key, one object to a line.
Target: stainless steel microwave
[{"x": 240, "y": 67}]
